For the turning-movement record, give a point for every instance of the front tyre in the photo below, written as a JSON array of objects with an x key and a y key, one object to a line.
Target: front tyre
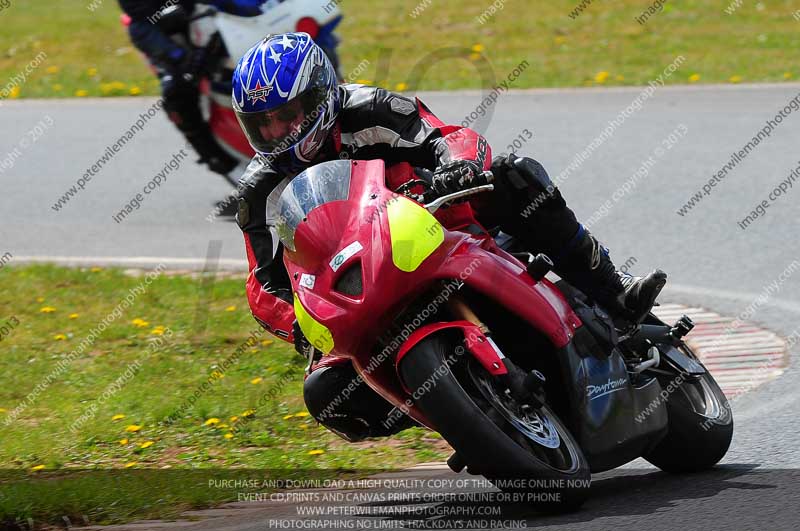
[
  {"x": 700, "y": 425},
  {"x": 527, "y": 452}
]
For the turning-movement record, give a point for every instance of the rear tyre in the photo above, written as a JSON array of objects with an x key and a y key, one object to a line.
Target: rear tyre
[
  {"x": 700, "y": 426},
  {"x": 531, "y": 454}
]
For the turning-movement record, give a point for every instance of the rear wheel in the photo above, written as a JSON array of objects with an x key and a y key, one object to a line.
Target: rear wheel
[
  {"x": 700, "y": 425},
  {"x": 521, "y": 449}
]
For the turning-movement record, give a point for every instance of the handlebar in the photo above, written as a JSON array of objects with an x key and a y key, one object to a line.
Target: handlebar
[
  {"x": 431, "y": 200},
  {"x": 436, "y": 204}
]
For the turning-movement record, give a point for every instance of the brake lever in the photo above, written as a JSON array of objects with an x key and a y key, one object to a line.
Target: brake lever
[
  {"x": 438, "y": 203},
  {"x": 430, "y": 200}
]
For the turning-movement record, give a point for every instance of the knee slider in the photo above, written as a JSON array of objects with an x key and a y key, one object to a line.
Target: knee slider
[
  {"x": 525, "y": 175},
  {"x": 533, "y": 174}
]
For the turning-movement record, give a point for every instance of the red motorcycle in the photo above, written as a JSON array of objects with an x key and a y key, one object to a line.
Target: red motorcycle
[{"x": 529, "y": 382}]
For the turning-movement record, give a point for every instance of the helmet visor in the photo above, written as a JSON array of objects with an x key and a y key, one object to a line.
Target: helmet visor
[{"x": 280, "y": 128}]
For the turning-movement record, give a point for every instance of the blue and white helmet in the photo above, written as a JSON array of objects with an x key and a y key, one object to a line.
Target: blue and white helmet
[{"x": 285, "y": 97}]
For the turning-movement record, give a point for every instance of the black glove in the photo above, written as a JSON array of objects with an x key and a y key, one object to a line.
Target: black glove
[
  {"x": 187, "y": 64},
  {"x": 456, "y": 176},
  {"x": 301, "y": 343}
]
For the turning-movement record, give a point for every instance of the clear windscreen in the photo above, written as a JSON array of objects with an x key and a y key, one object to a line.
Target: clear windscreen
[{"x": 316, "y": 186}]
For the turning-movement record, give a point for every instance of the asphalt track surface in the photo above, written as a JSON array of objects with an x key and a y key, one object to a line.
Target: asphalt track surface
[{"x": 711, "y": 261}]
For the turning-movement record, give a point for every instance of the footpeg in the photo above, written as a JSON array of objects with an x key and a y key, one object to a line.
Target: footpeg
[
  {"x": 654, "y": 359},
  {"x": 682, "y": 327}
]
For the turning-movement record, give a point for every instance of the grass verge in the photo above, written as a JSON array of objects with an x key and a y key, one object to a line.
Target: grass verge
[
  {"x": 179, "y": 379},
  {"x": 442, "y": 44}
]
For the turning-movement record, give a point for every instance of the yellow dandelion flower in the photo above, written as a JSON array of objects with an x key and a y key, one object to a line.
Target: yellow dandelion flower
[
  {"x": 133, "y": 428},
  {"x": 3, "y": 410},
  {"x": 47, "y": 309},
  {"x": 96, "y": 269},
  {"x": 255, "y": 381},
  {"x": 316, "y": 452},
  {"x": 287, "y": 417},
  {"x": 60, "y": 337},
  {"x": 247, "y": 413},
  {"x": 400, "y": 87},
  {"x": 694, "y": 78},
  {"x": 131, "y": 464},
  {"x": 39, "y": 299},
  {"x": 217, "y": 375},
  {"x": 230, "y": 309},
  {"x": 91, "y": 72},
  {"x": 228, "y": 435},
  {"x": 477, "y": 48},
  {"x": 787, "y": 75},
  {"x": 123, "y": 442},
  {"x": 303, "y": 426},
  {"x": 37, "y": 468},
  {"x": 118, "y": 416},
  {"x": 135, "y": 91},
  {"x": 58, "y": 87},
  {"x": 74, "y": 315},
  {"x": 364, "y": 81},
  {"x": 211, "y": 421},
  {"x": 234, "y": 418},
  {"x": 222, "y": 426},
  {"x": 146, "y": 444},
  {"x": 14, "y": 93},
  {"x": 266, "y": 342},
  {"x": 302, "y": 414},
  {"x": 52, "y": 69},
  {"x": 157, "y": 331},
  {"x": 140, "y": 323},
  {"x": 735, "y": 79},
  {"x": 474, "y": 56},
  {"x": 601, "y": 76},
  {"x": 80, "y": 93}
]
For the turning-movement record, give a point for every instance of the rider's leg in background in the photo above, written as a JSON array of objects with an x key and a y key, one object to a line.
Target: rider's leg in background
[
  {"x": 527, "y": 205},
  {"x": 347, "y": 406},
  {"x": 182, "y": 104}
]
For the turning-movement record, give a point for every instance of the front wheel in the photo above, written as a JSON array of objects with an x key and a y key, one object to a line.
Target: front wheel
[
  {"x": 524, "y": 450},
  {"x": 700, "y": 424}
]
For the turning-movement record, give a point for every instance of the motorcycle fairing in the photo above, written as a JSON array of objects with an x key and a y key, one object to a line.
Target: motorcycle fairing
[
  {"x": 476, "y": 342},
  {"x": 355, "y": 321},
  {"x": 614, "y": 419}
]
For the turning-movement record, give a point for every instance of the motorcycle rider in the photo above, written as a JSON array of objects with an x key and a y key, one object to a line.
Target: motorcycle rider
[
  {"x": 177, "y": 68},
  {"x": 295, "y": 115}
]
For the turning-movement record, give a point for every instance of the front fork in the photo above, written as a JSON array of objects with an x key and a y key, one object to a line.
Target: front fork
[{"x": 526, "y": 388}]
